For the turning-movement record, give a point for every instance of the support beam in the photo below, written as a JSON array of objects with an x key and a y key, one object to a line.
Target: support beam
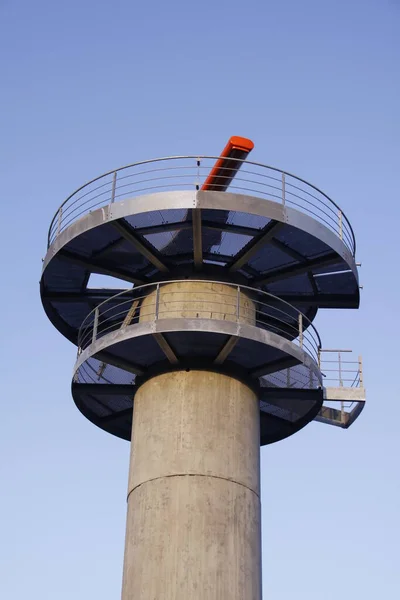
[
  {"x": 230, "y": 228},
  {"x": 131, "y": 314},
  {"x": 85, "y": 282},
  {"x": 119, "y": 362},
  {"x": 105, "y": 389},
  {"x": 100, "y": 370},
  {"x": 332, "y": 416},
  {"x": 107, "y": 249},
  {"x": 142, "y": 246},
  {"x": 253, "y": 247},
  {"x": 222, "y": 258},
  {"x": 94, "y": 267},
  {"x": 90, "y": 295},
  {"x": 274, "y": 367},
  {"x": 312, "y": 283},
  {"x": 164, "y": 228},
  {"x": 298, "y": 269},
  {"x": 319, "y": 300},
  {"x": 197, "y": 238},
  {"x": 166, "y": 348},
  {"x": 275, "y": 418},
  {"x": 97, "y": 401},
  {"x": 289, "y": 251},
  {"x": 277, "y": 393},
  {"x": 122, "y": 414},
  {"x": 186, "y": 225},
  {"x": 226, "y": 350}
]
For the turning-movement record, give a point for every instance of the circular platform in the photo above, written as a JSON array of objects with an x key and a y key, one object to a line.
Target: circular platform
[
  {"x": 243, "y": 332},
  {"x": 278, "y": 239}
]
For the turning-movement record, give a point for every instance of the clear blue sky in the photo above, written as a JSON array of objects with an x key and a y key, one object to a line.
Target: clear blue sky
[{"x": 91, "y": 85}]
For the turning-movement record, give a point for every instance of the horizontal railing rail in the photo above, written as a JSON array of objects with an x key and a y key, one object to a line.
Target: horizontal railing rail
[
  {"x": 218, "y": 301},
  {"x": 338, "y": 370},
  {"x": 190, "y": 173}
]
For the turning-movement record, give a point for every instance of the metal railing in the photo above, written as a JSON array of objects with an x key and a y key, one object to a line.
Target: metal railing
[
  {"x": 338, "y": 371},
  {"x": 189, "y": 173},
  {"x": 213, "y": 300},
  {"x": 299, "y": 377},
  {"x": 97, "y": 371}
]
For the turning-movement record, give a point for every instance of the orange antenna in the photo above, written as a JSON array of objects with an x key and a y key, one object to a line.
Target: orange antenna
[{"x": 226, "y": 166}]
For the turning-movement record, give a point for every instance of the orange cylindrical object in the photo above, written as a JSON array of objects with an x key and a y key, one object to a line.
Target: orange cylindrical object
[{"x": 225, "y": 170}]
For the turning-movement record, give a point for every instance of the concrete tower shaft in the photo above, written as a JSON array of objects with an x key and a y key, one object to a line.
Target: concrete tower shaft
[{"x": 193, "y": 521}]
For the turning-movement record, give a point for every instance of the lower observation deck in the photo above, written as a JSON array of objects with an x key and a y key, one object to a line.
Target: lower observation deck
[
  {"x": 246, "y": 333},
  {"x": 243, "y": 332}
]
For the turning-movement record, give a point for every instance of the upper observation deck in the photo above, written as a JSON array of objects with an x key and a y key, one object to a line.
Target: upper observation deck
[{"x": 171, "y": 218}]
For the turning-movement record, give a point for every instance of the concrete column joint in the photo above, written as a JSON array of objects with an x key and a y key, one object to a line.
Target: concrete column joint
[{"x": 192, "y": 475}]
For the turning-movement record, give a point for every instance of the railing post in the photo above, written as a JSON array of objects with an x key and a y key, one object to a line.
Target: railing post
[
  {"x": 283, "y": 189},
  {"x": 59, "y": 220},
  {"x": 319, "y": 357},
  {"x": 95, "y": 325},
  {"x": 198, "y": 175},
  {"x": 301, "y": 330},
  {"x": 238, "y": 304},
  {"x": 342, "y": 411},
  {"x": 114, "y": 185},
  {"x": 157, "y": 301},
  {"x": 360, "y": 371},
  {"x": 340, "y": 224}
]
